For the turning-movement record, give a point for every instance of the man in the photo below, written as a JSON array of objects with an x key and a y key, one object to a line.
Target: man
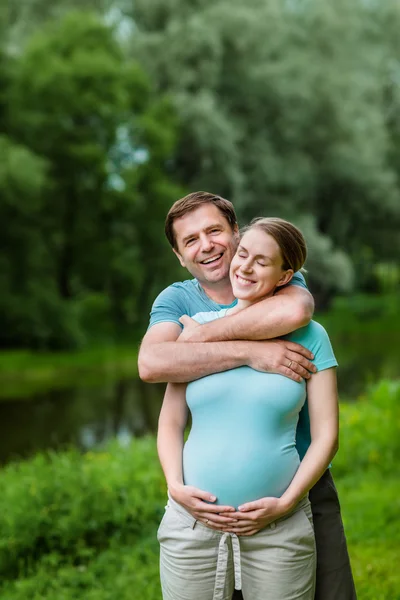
[{"x": 202, "y": 230}]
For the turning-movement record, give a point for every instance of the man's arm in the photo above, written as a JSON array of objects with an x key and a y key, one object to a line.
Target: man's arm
[
  {"x": 288, "y": 310},
  {"x": 163, "y": 358}
]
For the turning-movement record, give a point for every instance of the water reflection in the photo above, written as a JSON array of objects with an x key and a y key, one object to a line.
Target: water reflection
[{"x": 80, "y": 417}]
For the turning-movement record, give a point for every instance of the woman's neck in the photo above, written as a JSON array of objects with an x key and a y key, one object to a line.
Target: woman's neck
[{"x": 241, "y": 304}]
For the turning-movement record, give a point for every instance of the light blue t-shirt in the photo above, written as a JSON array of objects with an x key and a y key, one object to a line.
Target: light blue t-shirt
[
  {"x": 242, "y": 444},
  {"x": 188, "y": 298}
]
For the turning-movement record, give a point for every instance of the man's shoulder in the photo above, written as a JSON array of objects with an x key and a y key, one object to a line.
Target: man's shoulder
[{"x": 188, "y": 286}]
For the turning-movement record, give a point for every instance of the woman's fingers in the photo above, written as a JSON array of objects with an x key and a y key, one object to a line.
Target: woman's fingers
[
  {"x": 213, "y": 520},
  {"x": 204, "y": 507}
]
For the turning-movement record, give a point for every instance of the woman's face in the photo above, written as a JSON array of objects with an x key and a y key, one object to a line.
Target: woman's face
[{"x": 256, "y": 269}]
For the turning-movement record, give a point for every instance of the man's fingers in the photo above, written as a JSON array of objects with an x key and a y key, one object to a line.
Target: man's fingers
[
  {"x": 299, "y": 370},
  {"x": 299, "y": 349},
  {"x": 300, "y": 360},
  {"x": 291, "y": 374},
  {"x": 186, "y": 321}
]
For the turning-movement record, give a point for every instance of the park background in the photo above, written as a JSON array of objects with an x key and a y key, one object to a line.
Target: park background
[{"x": 110, "y": 110}]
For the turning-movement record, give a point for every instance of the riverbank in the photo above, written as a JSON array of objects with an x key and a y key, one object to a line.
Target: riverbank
[
  {"x": 84, "y": 525},
  {"x": 24, "y": 374}
]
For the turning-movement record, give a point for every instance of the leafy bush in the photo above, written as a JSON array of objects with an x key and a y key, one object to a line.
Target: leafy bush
[
  {"x": 70, "y": 504},
  {"x": 369, "y": 434},
  {"x": 123, "y": 571}
]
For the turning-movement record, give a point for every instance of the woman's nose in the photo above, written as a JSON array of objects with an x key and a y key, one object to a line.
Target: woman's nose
[{"x": 247, "y": 266}]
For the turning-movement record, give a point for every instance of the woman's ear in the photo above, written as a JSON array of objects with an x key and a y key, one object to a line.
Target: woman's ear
[{"x": 286, "y": 277}]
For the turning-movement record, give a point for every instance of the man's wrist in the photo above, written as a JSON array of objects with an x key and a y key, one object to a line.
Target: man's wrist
[{"x": 243, "y": 352}]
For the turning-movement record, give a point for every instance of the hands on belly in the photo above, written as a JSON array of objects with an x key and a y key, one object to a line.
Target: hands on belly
[
  {"x": 254, "y": 516},
  {"x": 196, "y": 502}
]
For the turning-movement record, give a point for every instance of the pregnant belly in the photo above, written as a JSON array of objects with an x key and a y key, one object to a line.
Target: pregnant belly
[{"x": 235, "y": 473}]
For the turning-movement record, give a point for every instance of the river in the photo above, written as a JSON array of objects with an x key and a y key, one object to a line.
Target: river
[{"x": 87, "y": 417}]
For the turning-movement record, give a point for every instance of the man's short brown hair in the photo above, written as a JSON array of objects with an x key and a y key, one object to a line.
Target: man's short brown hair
[{"x": 191, "y": 202}]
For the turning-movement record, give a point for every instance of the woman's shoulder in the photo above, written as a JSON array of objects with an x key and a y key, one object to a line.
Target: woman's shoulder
[
  {"x": 315, "y": 338},
  {"x": 309, "y": 334}
]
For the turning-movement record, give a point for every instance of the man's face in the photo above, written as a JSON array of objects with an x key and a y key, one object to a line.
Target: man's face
[{"x": 206, "y": 244}]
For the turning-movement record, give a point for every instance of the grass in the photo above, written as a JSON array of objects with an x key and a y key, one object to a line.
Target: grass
[{"x": 370, "y": 507}]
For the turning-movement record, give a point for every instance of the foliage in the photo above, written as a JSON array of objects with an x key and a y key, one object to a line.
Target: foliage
[
  {"x": 123, "y": 570},
  {"x": 287, "y": 108},
  {"x": 369, "y": 432},
  {"x": 364, "y": 330},
  {"x": 85, "y": 166},
  {"x": 67, "y": 504}
]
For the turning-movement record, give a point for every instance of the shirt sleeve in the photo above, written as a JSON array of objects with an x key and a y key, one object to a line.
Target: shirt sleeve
[
  {"x": 169, "y": 306},
  {"x": 314, "y": 337},
  {"x": 298, "y": 279},
  {"x": 321, "y": 347}
]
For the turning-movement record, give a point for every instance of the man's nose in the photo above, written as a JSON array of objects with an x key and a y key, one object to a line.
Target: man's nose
[{"x": 207, "y": 243}]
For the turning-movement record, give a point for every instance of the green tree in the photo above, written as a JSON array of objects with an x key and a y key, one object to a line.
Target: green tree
[
  {"x": 283, "y": 110},
  {"x": 101, "y": 142}
]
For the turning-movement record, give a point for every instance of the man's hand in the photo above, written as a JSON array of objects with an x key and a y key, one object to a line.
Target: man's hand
[
  {"x": 285, "y": 358},
  {"x": 254, "y": 516},
  {"x": 190, "y": 328},
  {"x": 197, "y": 503}
]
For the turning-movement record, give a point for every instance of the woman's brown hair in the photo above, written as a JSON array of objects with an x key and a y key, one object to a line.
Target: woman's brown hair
[{"x": 288, "y": 237}]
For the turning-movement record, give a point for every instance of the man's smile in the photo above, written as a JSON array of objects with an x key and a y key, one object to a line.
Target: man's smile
[{"x": 212, "y": 259}]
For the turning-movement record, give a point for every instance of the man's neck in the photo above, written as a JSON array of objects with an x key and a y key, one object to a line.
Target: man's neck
[{"x": 220, "y": 292}]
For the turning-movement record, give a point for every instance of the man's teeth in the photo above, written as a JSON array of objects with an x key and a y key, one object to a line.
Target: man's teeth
[{"x": 210, "y": 260}]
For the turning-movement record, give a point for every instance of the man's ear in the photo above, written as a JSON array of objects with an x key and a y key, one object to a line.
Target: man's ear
[
  {"x": 179, "y": 257},
  {"x": 286, "y": 277}
]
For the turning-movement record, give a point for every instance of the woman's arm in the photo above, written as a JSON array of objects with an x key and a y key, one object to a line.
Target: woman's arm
[
  {"x": 171, "y": 427},
  {"x": 323, "y": 409},
  {"x": 324, "y": 416}
]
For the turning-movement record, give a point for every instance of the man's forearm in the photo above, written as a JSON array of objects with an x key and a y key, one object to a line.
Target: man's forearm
[
  {"x": 270, "y": 318},
  {"x": 181, "y": 362}
]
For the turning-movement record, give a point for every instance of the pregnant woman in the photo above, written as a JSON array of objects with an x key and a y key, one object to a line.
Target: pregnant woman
[{"x": 242, "y": 448}]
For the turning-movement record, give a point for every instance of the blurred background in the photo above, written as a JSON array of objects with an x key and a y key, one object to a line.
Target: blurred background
[{"x": 110, "y": 110}]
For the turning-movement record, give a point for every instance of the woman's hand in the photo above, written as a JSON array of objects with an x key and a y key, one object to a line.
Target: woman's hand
[
  {"x": 254, "y": 516},
  {"x": 196, "y": 502}
]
